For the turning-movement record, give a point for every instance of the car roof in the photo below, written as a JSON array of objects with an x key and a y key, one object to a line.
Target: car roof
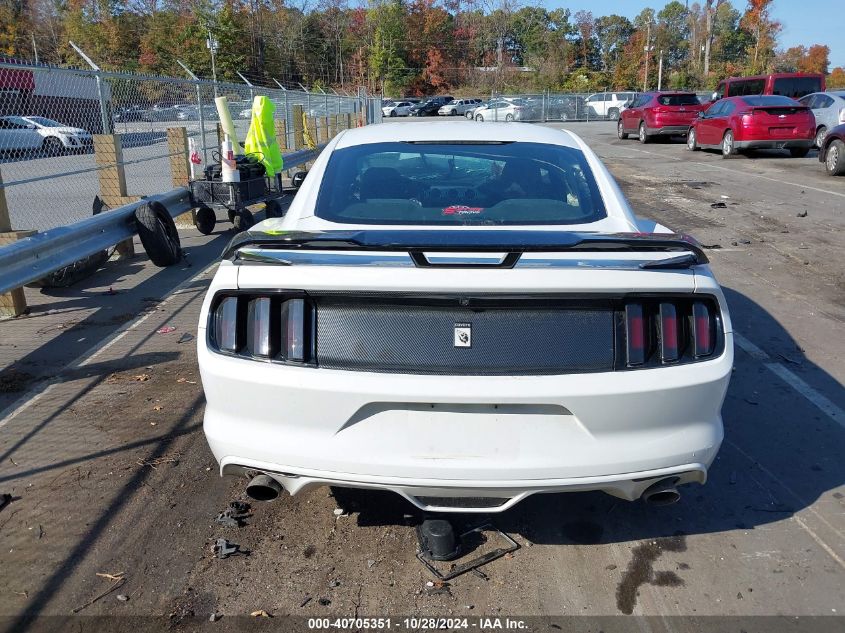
[{"x": 455, "y": 130}]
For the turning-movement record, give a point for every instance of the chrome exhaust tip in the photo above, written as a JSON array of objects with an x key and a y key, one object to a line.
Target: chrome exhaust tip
[
  {"x": 662, "y": 493},
  {"x": 263, "y": 488}
]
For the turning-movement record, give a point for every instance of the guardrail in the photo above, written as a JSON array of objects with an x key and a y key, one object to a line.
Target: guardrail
[{"x": 34, "y": 257}]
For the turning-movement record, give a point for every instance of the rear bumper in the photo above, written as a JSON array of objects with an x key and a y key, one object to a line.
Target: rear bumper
[
  {"x": 458, "y": 437},
  {"x": 774, "y": 144},
  {"x": 667, "y": 130}
]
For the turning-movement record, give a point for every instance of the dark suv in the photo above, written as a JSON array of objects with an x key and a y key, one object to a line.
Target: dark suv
[{"x": 430, "y": 106}]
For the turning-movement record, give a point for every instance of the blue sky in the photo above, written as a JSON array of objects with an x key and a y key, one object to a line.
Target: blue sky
[{"x": 805, "y": 22}]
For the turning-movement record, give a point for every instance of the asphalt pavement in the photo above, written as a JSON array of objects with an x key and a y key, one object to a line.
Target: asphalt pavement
[{"x": 103, "y": 454}]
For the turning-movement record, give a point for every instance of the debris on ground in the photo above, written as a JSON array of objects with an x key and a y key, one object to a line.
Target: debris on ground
[
  {"x": 370, "y": 562},
  {"x": 5, "y": 499},
  {"x": 186, "y": 381},
  {"x": 235, "y": 515},
  {"x": 802, "y": 214},
  {"x": 338, "y": 512},
  {"x": 141, "y": 377},
  {"x": 305, "y": 601},
  {"x": 158, "y": 461},
  {"x": 718, "y": 205},
  {"x": 223, "y": 549},
  {"x": 167, "y": 329},
  {"x": 123, "y": 597},
  {"x": 186, "y": 338},
  {"x": 324, "y": 602},
  {"x": 117, "y": 581},
  {"x": 112, "y": 577},
  {"x": 14, "y": 381},
  {"x": 213, "y": 617},
  {"x": 260, "y": 614}
]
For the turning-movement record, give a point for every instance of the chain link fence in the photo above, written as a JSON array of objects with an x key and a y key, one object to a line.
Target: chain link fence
[
  {"x": 551, "y": 107},
  {"x": 49, "y": 119}
]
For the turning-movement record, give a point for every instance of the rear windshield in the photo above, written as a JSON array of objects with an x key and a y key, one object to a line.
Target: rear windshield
[
  {"x": 769, "y": 100},
  {"x": 459, "y": 183},
  {"x": 678, "y": 100}
]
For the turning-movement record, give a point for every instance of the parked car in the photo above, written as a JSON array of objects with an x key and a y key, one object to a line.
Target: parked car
[
  {"x": 397, "y": 108},
  {"x": 659, "y": 114},
  {"x": 470, "y": 113},
  {"x": 430, "y": 106},
  {"x": 448, "y": 328},
  {"x": 459, "y": 107},
  {"x": 500, "y": 110},
  {"x": 829, "y": 110},
  {"x": 192, "y": 113},
  {"x": 129, "y": 115},
  {"x": 794, "y": 85},
  {"x": 37, "y": 132},
  {"x": 832, "y": 151},
  {"x": 565, "y": 108},
  {"x": 607, "y": 104},
  {"x": 735, "y": 124}
]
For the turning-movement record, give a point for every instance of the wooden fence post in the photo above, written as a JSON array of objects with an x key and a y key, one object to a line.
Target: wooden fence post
[
  {"x": 12, "y": 303},
  {"x": 297, "y": 127},
  {"x": 282, "y": 134},
  {"x": 180, "y": 167},
  {"x": 108, "y": 155}
]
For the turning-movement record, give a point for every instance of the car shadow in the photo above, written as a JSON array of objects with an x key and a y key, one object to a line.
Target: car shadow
[{"x": 780, "y": 455}]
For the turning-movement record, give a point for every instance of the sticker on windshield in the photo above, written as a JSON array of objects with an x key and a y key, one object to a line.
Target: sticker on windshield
[{"x": 459, "y": 209}]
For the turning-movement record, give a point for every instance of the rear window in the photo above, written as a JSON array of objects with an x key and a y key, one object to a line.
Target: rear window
[
  {"x": 796, "y": 86},
  {"x": 459, "y": 183},
  {"x": 747, "y": 87},
  {"x": 769, "y": 100},
  {"x": 678, "y": 100}
]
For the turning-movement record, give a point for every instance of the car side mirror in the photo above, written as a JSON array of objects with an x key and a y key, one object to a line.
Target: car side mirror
[
  {"x": 298, "y": 179},
  {"x": 701, "y": 114}
]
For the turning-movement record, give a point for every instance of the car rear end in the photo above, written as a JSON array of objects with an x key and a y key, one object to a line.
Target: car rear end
[
  {"x": 543, "y": 371},
  {"x": 773, "y": 122},
  {"x": 671, "y": 113}
]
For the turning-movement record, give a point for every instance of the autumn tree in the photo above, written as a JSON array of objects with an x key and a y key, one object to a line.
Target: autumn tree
[{"x": 764, "y": 30}]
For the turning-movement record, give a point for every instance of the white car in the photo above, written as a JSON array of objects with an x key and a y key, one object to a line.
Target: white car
[
  {"x": 608, "y": 104},
  {"x": 397, "y": 108},
  {"x": 20, "y": 133},
  {"x": 459, "y": 107},
  {"x": 464, "y": 315},
  {"x": 500, "y": 110}
]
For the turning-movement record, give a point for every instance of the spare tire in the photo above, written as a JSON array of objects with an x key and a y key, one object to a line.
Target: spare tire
[{"x": 158, "y": 234}]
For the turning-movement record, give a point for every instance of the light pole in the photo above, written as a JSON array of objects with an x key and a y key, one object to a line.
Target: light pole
[
  {"x": 660, "y": 72},
  {"x": 211, "y": 44},
  {"x": 647, "y": 48}
]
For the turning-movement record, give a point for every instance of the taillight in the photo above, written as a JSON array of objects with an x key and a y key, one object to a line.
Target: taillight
[
  {"x": 226, "y": 325},
  {"x": 258, "y": 336},
  {"x": 636, "y": 334},
  {"x": 669, "y": 345},
  {"x": 702, "y": 326},
  {"x": 263, "y": 327},
  {"x": 293, "y": 317},
  {"x": 676, "y": 330}
]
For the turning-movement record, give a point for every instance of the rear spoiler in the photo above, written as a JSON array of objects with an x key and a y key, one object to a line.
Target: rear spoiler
[{"x": 514, "y": 243}]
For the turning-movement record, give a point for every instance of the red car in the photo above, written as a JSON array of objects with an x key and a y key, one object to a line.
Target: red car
[
  {"x": 754, "y": 122},
  {"x": 659, "y": 113}
]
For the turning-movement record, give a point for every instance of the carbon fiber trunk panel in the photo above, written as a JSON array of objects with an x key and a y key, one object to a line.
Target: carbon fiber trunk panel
[{"x": 417, "y": 338}]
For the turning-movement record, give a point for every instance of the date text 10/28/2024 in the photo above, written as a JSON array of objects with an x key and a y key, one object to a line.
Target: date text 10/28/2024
[{"x": 417, "y": 624}]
